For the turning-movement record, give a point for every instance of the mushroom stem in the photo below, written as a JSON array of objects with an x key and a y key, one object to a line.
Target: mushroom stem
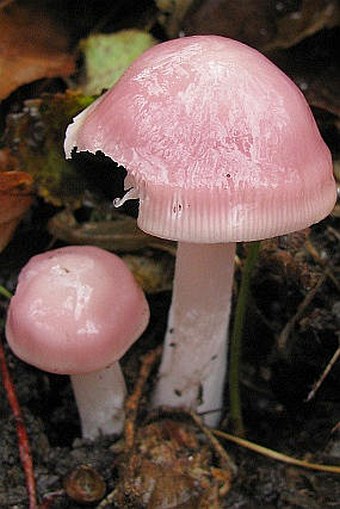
[
  {"x": 100, "y": 400},
  {"x": 194, "y": 361}
]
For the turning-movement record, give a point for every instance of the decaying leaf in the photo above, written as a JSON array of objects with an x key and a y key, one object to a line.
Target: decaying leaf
[
  {"x": 172, "y": 13},
  {"x": 170, "y": 462},
  {"x": 153, "y": 273},
  {"x": 171, "y": 467},
  {"x": 108, "y": 55},
  {"x": 35, "y": 137},
  {"x": 265, "y": 25},
  {"x": 32, "y": 46},
  {"x": 15, "y": 199},
  {"x": 306, "y": 19},
  {"x": 117, "y": 233}
]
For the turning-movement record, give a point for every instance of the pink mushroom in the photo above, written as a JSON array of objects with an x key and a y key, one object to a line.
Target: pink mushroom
[
  {"x": 76, "y": 311},
  {"x": 220, "y": 146}
]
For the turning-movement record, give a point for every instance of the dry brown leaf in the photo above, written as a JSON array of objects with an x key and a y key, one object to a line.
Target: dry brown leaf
[
  {"x": 32, "y": 46},
  {"x": 262, "y": 24},
  {"x": 15, "y": 199}
]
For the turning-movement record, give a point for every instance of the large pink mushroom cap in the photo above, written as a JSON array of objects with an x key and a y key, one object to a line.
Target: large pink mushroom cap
[
  {"x": 219, "y": 144},
  {"x": 76, "y": 310}
]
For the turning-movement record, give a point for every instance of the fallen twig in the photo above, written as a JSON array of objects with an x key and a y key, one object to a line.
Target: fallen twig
[
  {"x": 49, "y": 498},
  {"x": 23, "y": 441},
  {"x": 325, "y": 372},
  {"x": 131, "y": 410},
  {"x": 132, "y": 402}
]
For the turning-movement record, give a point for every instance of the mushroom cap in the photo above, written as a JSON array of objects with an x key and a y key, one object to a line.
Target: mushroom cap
[
  {"x": 76, "y": 310},
  {"x": 219, "y": 144}
]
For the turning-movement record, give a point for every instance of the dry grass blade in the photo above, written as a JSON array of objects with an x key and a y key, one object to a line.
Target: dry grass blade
[
  {"x": 219, "y": 450},
  {"x": 275, "y": 455},
  {"x": 325, "y": 372}
]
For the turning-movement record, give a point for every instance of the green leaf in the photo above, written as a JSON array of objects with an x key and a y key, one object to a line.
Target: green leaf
[{"x": 107, "y": 56}]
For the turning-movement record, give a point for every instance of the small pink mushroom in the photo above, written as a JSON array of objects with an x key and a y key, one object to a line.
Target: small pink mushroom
[
  {"x": 76, "y": 311},
  {"x": 220, "y": 146}
]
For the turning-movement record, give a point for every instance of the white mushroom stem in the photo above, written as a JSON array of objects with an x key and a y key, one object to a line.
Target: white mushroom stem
[
  {"x": 193, "y": 366},
  {"x": 100, "y": 399}
]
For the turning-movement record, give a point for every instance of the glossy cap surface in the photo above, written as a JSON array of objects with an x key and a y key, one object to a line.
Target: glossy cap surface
[
  {"x": 76, "y": 310},
  {"x": 219, "y": 144}
]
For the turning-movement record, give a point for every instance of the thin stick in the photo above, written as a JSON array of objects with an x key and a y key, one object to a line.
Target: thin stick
[
  {"x": 23, "y": 441},
  {"x": 327, "y": 369},
  {"x": 49, "y": 498},
  {"x": 275, "y": 455},
  {"x": 131, "y": 410},
  {"x": 132, "y": 402}
]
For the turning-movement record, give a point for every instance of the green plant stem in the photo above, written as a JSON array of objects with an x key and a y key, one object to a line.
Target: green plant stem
[
  {"x": 5, "y": 293},
  {"x": 236, "y": 340}
]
